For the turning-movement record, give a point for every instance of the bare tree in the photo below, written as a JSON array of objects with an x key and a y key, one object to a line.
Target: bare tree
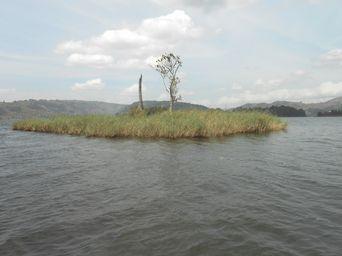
[
  {"x": 141, "y": 104},
  {"x": 168, "y": 66}
]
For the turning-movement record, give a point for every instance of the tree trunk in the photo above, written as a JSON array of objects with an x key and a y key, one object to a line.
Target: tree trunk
[
  {"x": 141, "y": 104},
  {"x": 171, "y": 103}
]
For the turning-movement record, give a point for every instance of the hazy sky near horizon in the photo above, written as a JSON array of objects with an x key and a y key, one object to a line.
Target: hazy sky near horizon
[{"x": 234, "y": 51}]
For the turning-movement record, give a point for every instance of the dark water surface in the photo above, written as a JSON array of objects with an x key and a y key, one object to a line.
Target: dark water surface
[{"x": 279, "y": 194}]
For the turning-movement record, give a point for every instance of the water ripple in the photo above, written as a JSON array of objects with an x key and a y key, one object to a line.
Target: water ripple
[{"x": 278, "y": 194}]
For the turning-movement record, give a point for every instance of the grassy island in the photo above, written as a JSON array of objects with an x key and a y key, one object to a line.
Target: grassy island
[{"x": 179, "y": 124}]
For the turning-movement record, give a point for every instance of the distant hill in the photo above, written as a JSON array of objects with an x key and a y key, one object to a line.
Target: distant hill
[
  {"x": 281, "y": 111},
  {"x": 285, "y": 111},
  {"x": 311, "y": 109},
  {"x": 45, "y": 108},
  {"x": 164, "y": 104}
]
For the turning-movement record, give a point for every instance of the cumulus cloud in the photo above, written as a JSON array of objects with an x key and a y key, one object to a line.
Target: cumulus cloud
[
  {"x": 207, "y": 4},
  {"x": 132, "y": 47},
  {"x": 95, "y": 60},
  {"x": 94, "y": 84},
  {"x": 333, "y": 56},
  {"x": 330, "y": 89},
  {"x": 324, "y": 91}
]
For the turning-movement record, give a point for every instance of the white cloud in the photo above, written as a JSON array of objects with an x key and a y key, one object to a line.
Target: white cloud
[
  {"x": 93, "y": 60},
  {"x": 132, "y": 47},
  {"x": 170, "y": 28},
  {"x": 120, "y": 39},
  {"x": 330, "y": 89},
  {"x": 94, "y": 84},
  {"x": 207, "y": 4},
  {"x": 334, "y": 56},
  {"x": 324, "y": 91}
]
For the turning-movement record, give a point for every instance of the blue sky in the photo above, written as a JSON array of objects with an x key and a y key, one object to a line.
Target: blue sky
[{"x": 234, "y": 51}]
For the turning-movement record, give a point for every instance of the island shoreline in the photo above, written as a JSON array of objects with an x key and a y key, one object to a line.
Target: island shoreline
[{"x": 179, "y": 124}]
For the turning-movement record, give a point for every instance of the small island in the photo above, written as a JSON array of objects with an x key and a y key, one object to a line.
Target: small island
[
  {"x": 163, "y": 124},
  {"x": 141, "y": 122}
]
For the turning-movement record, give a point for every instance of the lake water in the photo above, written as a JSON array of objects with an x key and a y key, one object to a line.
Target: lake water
[{"x": 279, "y": 194}]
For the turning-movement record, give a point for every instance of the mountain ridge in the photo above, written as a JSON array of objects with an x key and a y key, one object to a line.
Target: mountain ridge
[
  {"x": 311, "y": 109},
  {"x": 46, "y": 108}
]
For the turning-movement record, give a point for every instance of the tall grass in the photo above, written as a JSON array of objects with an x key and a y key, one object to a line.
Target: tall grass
[{"x": 179, "y": 124}]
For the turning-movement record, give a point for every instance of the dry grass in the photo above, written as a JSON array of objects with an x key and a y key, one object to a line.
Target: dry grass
[{"x": 179, "y": 124}]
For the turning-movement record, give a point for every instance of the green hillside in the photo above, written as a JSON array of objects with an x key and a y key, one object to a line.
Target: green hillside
[{"x": 47, "y": 108}]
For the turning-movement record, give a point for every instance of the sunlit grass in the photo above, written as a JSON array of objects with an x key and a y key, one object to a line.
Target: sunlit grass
[{"x": 179, "y": 124}]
